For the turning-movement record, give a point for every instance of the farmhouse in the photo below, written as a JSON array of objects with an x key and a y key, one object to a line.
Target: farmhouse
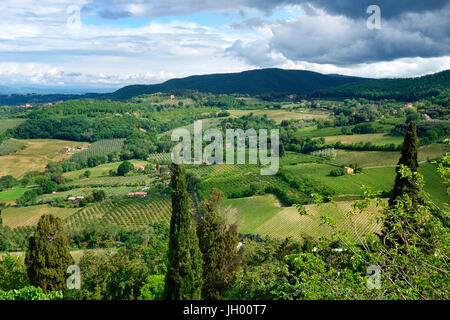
[
  {"x": 138, "y": 194},
  {"x": 74, "y": 200},
  {"x": 349, "y": 170},
  {"x": 139, "y": 168},
  {"x": 65, "y": 149}
]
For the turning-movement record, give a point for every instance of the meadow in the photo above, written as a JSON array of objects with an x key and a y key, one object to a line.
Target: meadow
[
  {"x": 10, "y": 146},
  {"x": 6, "y": 124}
]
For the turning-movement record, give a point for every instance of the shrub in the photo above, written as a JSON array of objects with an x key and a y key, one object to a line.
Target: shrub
[
  {"x": 153, "y": 288},
  {"x": 337, "y": 172}
]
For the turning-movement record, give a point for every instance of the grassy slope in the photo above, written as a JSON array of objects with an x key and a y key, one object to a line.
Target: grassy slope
[
  {"x": 6, "y": 124},
  {"x": 263, "y": 215},
  {"x": 376, "y": 139},
  {"x": 29, "y": 216},
  {"x": 101, "y": 170},
  {"x": 252, "y": 212}
]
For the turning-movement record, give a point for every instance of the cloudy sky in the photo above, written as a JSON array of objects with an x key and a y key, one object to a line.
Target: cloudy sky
[{"x": 111, "y": 43}]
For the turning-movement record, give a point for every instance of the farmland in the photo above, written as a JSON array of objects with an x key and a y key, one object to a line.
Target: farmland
[
  {"x": 101, "y": 147},
  {"x": 375, "y": 138},
  {"x": 258, "y": 204},
  {"x": 279, "y": 115},
  {"x": 10, "y": 146},
  {"x": 263, "y": 215},
  {"x": 35, "y": 156},
  {"x": 29, "y": 216},
  {"x": 126, "y": 212}
]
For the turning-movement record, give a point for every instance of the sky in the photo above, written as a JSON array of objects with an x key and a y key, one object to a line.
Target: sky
[{"x": 106, "y": 44}]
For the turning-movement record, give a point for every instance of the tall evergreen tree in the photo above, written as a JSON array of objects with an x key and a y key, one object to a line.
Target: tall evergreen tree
[
  {"x": 48, "y": 255},
  {"x": 408, "y": 158},
  {"x": 218, "y": 244},
  {"x": 184, "y": 268}
]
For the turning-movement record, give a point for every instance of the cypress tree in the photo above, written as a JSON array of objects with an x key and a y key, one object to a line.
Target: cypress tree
[
  {"x": 408, "y": 158},
  {"x": 184, "y": 268},
  {"x": 218, "y": 244},
  {"x": 48, "y": 255}
]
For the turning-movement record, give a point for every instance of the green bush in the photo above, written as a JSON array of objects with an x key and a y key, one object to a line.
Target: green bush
[
  {"x": 30, "y": 293},
  {"x": 153, "y": 288},
  {"x": 337, "y": 172}
]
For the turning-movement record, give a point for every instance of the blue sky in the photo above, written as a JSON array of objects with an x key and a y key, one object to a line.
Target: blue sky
[{"x": 120, "y": 42}]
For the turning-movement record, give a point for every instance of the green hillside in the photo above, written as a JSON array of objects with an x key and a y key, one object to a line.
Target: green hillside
[
  {"x": 408, "y": 89},
  {"x": 250, "y": 82}
]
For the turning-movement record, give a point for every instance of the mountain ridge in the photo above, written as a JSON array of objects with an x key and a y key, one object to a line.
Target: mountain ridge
[{"x": 253, "y": 82}]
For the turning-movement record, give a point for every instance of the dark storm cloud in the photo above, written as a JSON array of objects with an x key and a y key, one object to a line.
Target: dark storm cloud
[
  {"x": 338, "y": 40},
  {"x": 355, "y": 9}
]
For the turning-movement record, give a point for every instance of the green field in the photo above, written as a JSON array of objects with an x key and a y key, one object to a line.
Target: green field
[
  {"x": 101, "y": 170},
  {"x": 380, "y": 179},
  {"x": 100, "y": 148},
  {"x": 279, "y": 115},
  {"x": 128, "y": 212},
  {"x": 252, "y": 212},
  {"x": 263, "y": 215},
  {"x": 383, "y": 158},
  {"x": 29, "y": 216},
  {"x": 12, "y": 194},
  {"x": 375, "y": 139},
  {"x": 6, "y": 124}
]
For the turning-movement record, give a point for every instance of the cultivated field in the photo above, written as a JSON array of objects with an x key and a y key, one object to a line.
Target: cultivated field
[
  {"x": 263, "y": 215},
  {"x": 35, "y": 156},
  {"x": 101, "y": 170},
  {"x": 384, "y": 158},
  {"x": 128, "y": 212},
  {"x": 375, "y": 139},
  {"x": 279, "y": 115},
  {"x": 29, "y": 216}
]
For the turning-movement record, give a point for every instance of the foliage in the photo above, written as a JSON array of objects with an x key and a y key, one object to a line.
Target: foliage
[
  {"x": 48, "y": 256},
  {"x": 408, "y": 159},
  {"x": 153, "y": 288},
  {"x": 218, "y": 244},
  {"x": 337, "y": 172},
  {"x": 114, "y": 276},
  {"x": 30, "y": 293},
  {"x": 13, "y": 273},
  {"x": 184, "y": 269},
  {"x": 124, "y": 168}
]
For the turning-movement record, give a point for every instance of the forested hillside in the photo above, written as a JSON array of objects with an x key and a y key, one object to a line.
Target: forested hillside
[
  {"x": 248, "y": 82},
  {"x": 409, "y": 89}
]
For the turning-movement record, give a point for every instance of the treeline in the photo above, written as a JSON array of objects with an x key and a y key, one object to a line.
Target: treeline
[{"x": 410, "y": 89}]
